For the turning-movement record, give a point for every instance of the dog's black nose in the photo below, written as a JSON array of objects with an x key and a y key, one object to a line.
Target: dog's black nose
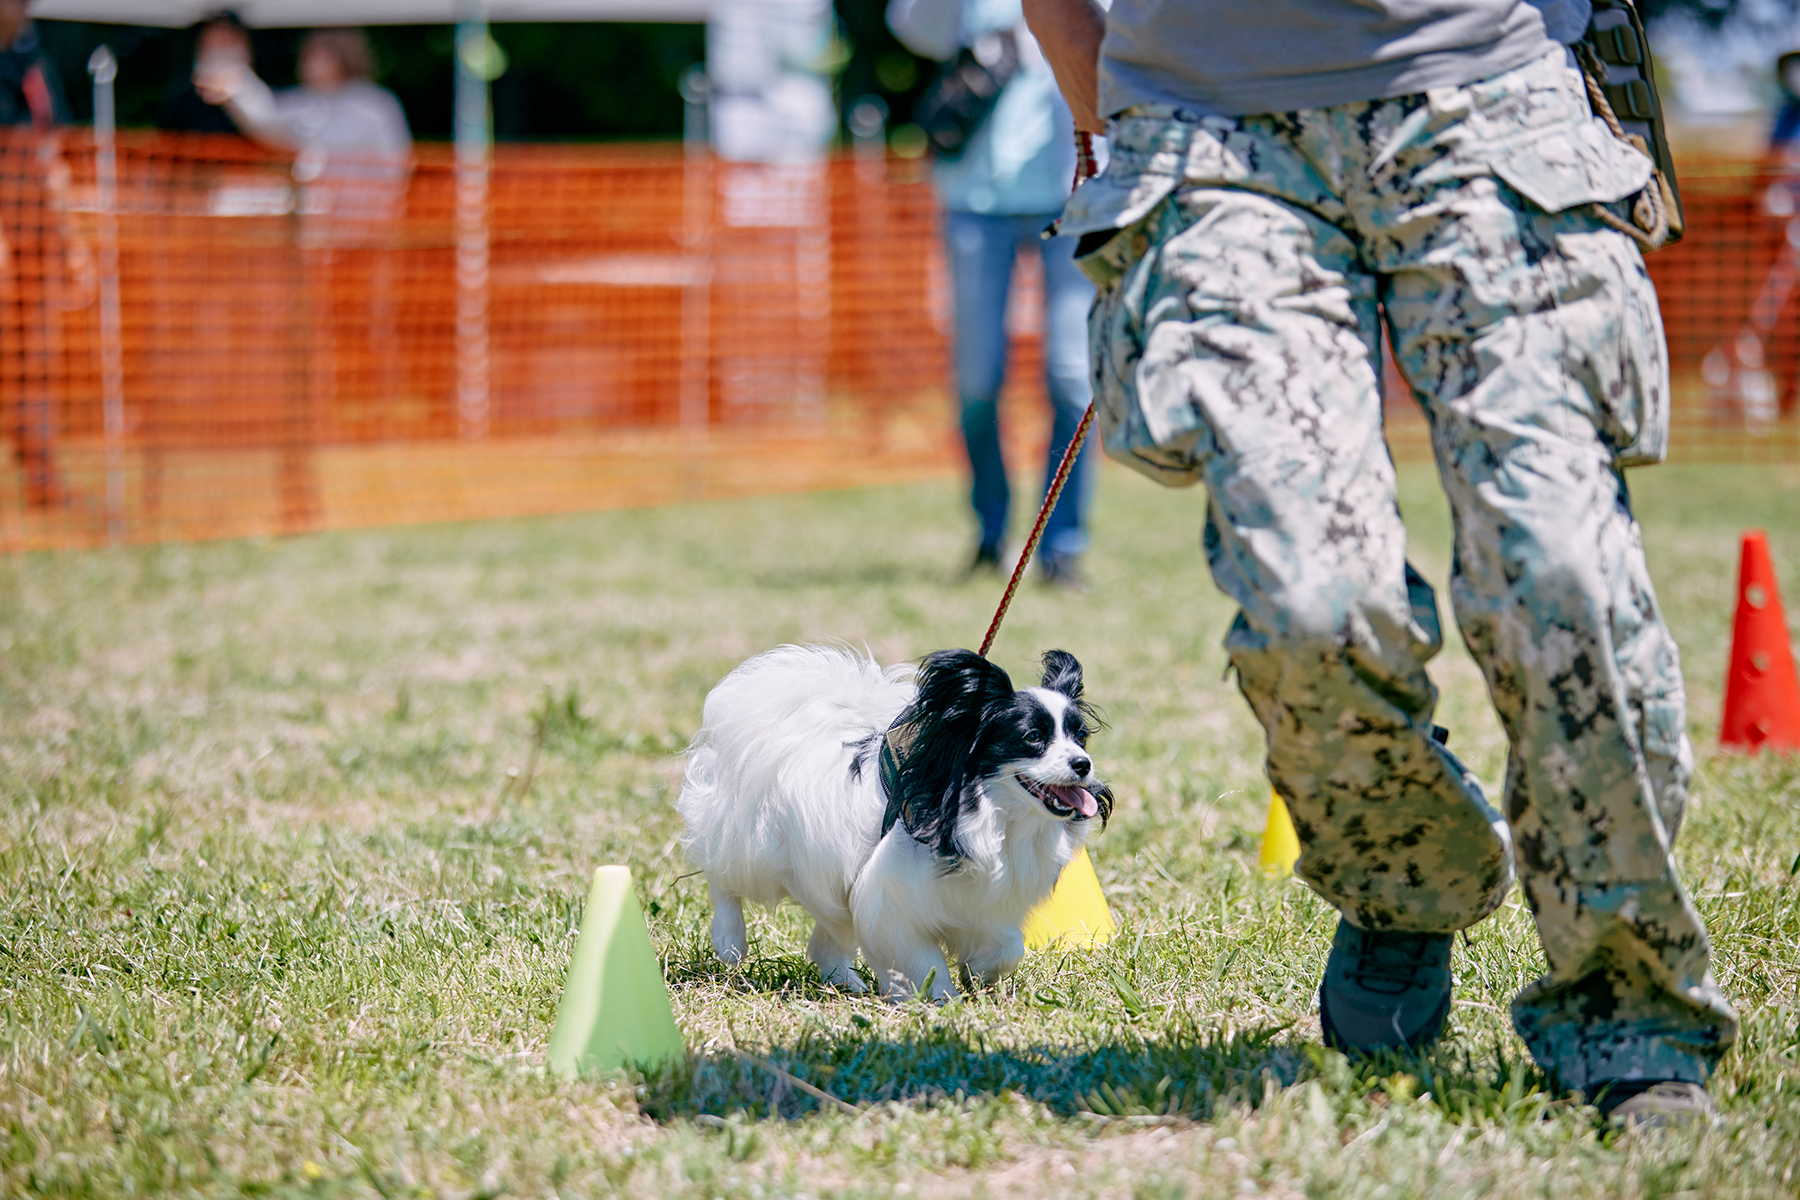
[{"x": 1081, "y": 766}]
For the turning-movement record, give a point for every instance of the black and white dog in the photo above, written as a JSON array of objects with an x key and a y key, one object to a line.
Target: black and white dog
[{"x": 911, "y": 812}]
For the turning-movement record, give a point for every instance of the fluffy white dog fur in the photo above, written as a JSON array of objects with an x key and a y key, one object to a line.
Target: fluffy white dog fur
[{"x": 783, "y": 797}]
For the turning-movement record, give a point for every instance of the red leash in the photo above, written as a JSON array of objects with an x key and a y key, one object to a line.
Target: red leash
[
  {"x": 1037, "y": 530},
  {"x": 1085, "y": 169}
]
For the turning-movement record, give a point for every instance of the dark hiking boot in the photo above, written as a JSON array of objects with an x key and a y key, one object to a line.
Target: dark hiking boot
[
  {"x": 1384, "y": 990},
  {"x": 985, "y": 562},
  {"x": 1654, "y": 1103},
  {"x": 1059, "y": 571}
]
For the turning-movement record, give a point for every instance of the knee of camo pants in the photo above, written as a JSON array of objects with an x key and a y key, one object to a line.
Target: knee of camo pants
[{"x": 1394, "y": 831}]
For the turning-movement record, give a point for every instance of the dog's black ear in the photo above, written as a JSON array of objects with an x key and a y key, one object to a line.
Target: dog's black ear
[
  {"x": 1062, "y": 673},
  {"x": 934, "y": 741}
]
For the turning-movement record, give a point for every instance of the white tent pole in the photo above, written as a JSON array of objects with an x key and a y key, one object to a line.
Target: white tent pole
[
  {"x": 105, "y": 68},
  {"x": 472, "y": 159},
  {"x": 695, "y": 401}
]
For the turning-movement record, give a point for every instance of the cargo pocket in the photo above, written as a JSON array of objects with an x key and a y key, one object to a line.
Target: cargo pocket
[
  {"x": 1623, "y": 362},
  {"x": 1117, "y": 219},
  {"x": 1578, "y": 163},
  {"x": 1116, "y": 340},
  {"x": 1106, "y": 217}
]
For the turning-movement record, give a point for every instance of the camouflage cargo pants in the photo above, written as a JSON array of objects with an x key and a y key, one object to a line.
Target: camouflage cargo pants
[{"x": 1245, "y": 265}]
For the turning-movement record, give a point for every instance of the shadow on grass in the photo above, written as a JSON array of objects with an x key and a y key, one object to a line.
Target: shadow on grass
[
  {"x": 1142, "y": 1065},
  {"x": 1173, "y": 1074},
  {"x": 1166, "y": 1068},
  {"x": 1124, "y": 1078}
]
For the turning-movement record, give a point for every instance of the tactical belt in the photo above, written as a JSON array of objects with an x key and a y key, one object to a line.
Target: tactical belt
[{"x": 1614, "y": 56}]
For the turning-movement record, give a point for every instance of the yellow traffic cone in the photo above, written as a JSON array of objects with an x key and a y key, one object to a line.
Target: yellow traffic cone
[
  {"x": 1280, "y": 844},
  {"x": 1076, "y": 912},
  {"x": 615, "y": 1006}
]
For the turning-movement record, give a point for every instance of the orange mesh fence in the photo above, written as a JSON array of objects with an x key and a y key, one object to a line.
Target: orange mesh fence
[
  {"x": 194, "y": 343},
  {"x": 1732, "y": 313}
]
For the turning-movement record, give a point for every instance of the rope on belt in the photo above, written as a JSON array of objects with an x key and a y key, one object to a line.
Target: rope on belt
[{"x": 1649, "y": 224}]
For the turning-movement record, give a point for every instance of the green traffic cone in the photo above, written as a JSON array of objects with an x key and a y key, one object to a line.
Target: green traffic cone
[{"x": 615, "y": 1006}]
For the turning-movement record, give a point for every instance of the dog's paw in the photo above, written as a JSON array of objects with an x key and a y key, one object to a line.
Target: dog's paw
[
  {"x": 938, "y": 987},
  {"x": 730, "y": 944},
  {"x": 730, "y": 937},
  {"x": 845, "y": 979}
]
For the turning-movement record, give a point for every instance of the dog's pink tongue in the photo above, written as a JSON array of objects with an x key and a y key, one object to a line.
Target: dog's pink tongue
[{"x": 1079, "y": 799}]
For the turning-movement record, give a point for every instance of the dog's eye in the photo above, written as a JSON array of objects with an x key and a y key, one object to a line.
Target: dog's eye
[{"x": 1035, "y": 740}]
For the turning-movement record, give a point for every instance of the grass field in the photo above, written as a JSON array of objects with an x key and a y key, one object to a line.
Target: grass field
[{"x": 286, "y": 902}]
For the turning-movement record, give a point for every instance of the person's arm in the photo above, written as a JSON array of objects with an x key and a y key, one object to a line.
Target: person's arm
[
  {"x": 248, "y": 101},
  {"x": 1070, "y": 32}
]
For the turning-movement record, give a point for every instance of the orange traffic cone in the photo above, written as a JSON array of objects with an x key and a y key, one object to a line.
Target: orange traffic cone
[{"x": 1762, "y": 692}]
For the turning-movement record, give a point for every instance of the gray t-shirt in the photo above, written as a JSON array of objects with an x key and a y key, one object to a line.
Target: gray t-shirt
[{"x": 1232, "y": 57}]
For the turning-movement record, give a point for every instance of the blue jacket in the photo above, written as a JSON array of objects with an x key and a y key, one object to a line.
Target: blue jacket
[{"x": 1022, "y": 159}]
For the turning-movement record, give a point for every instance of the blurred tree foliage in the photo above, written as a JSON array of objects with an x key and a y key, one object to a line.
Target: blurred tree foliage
[
  {"x": 564, "y": 82},
  {"x": 879, "y": 65}
]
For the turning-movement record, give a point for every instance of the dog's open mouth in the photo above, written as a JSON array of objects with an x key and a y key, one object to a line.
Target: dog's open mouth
[{"x": 1061, "y": 801}]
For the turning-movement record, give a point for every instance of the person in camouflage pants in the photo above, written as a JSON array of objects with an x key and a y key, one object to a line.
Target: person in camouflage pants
[{"x": 1246, "y": 266}]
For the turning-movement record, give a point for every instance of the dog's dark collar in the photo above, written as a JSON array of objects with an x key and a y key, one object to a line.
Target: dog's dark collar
[
  {"x": 890, "y": 781},
  {"x": 896, "y": 744}
]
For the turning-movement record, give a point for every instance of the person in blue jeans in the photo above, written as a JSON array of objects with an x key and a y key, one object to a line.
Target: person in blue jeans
[{"x": 998, "y": 196}]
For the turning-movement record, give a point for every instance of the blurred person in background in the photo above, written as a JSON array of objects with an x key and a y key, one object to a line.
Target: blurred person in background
[
  {"x": 1787, "y": 118},
  {"x": 1731, "y": 400},
  {"x": 347, "y": 133},
  {"x": 352, "y": 150},
  {"x": 30, "y": 91},
  {"x": 36, "y": 251},
  {"x": 1007, "y": 184},
  {"x": 222, "y": 39}
]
